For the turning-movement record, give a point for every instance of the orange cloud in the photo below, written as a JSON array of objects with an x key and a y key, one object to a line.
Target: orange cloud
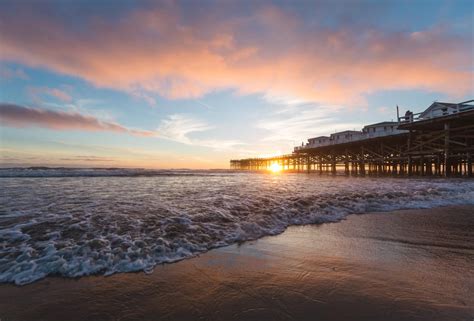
[
  {"x": 158, "y": 51},
  {"x": 19, "y": 116}
]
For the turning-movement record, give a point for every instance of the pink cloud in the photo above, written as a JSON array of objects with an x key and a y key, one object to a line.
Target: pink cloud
[
  {"x": 157, "y": 51},
  {"x": 19, "y": 116}
]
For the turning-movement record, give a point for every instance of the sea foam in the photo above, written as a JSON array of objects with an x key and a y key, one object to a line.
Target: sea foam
[{"x": 80, "y": 224}]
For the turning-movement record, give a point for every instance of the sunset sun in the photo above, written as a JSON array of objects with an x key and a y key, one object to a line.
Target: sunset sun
[{"x": 275, "y": 168}]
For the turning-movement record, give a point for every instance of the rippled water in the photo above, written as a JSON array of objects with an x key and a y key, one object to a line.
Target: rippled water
[{"x": 80, "y": 222}]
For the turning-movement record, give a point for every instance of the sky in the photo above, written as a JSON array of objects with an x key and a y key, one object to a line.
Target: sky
[{"x": 193, "y": 84}]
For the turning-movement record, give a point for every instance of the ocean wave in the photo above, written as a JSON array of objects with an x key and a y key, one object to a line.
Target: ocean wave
[
  {"x": 103, "y": 172},
  {"x": 77, "y": 226}
]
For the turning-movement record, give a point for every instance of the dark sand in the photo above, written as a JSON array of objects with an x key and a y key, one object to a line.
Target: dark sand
[{"x": 406, "y": 265}]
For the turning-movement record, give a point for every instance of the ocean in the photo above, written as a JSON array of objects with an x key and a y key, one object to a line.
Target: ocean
[{"x": 77, "y": 222}]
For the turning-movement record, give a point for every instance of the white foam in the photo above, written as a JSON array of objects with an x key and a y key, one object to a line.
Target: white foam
[{"x": 76, "y": 226}]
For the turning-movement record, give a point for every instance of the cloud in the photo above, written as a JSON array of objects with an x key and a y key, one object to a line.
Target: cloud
[
  {"x": 12, "y": 73},
  {"x": 21, "y": 116},
  {"x": 180, "y": 127},
  {"x": 36, "y": 92},
  {"x": 294, "y": 123},
  {"x": 144, "y": 96},
  {"x": 91, "y": 158},
  {"x": 167, "y": 51},
  {"x": 177, "y": 127},
  {"x": 384, "y": 110}
]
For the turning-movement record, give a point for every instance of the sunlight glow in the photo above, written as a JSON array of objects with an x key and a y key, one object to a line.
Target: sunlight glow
[{"x": 275, "y": 168}]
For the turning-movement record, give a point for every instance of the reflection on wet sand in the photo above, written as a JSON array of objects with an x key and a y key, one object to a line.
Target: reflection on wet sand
[{"x": 408, "y": 265}]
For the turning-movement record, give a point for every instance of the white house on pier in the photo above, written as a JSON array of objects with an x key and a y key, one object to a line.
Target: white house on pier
[
  {"x": 318, "y": 141},
  {"x": 346, "y": 136},
  {"x": 382, "y": 129},
  {"x": 438, "y": 109}
]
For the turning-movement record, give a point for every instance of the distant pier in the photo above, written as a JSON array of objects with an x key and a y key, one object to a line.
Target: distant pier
[{"x": 436, "y": 142}]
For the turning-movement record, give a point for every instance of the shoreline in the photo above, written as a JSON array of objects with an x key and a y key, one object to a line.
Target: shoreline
[{"x": 401, "y": 265}]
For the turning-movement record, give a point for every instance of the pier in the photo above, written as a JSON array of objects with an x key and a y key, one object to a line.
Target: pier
[{"x": 436, "y": 142}]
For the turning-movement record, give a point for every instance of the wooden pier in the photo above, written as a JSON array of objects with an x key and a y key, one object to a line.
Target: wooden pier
[{"x": 439, "y": 146}]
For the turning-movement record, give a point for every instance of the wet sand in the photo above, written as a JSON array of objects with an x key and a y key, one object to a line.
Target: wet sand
[{"x": 405, "y": 265}]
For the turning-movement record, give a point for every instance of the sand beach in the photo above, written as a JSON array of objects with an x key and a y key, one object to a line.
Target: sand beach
[{"x": 403, "y": 265}]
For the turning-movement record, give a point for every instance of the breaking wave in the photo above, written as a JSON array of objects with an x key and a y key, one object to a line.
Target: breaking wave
[
  {"x": 79, "y": 225},
  {"x": 100, "y": 172}
]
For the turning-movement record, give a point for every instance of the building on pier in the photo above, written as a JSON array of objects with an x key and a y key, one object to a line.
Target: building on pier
[
  {"x": 369, "y": 131},
  {"x": 346, "y": 136},
  {"x": 382, "y": 129},
  {"x": 438, "y": 109},
  {"x": 314, "y": 142},
  {"x": 318, "y": 141}
]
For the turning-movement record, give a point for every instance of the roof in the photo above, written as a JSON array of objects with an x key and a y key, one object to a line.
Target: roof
[
  {"x": 437, "y": 104},
  {"x": 436, "y": 123},
  {"x": 384, "y": 123},
  {"x": 348, "y": 131},
  {"x": 319, "y": 137}
]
